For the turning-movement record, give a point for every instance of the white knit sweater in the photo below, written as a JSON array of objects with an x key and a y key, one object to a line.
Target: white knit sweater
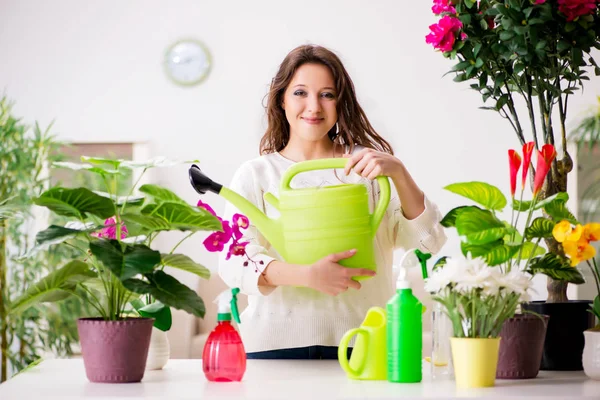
[{"x": 289, "y": 316}]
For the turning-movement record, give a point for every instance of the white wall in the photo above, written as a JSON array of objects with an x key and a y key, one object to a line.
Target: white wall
[{"x": 95, "y": 67}]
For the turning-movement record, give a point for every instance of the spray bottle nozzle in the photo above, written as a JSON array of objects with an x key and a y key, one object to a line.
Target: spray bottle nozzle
[
  {"x": 227, "y": 302},
  {"x": 423, "y": 257}
]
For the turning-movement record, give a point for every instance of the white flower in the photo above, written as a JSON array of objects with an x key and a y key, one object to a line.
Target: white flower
[{"x": 518, "y": 282}]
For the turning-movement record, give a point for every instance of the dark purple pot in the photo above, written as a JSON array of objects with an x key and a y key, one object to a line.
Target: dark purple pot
[
  {"x": 115, "y": 351},
  {"x": 521, "y": 346}
]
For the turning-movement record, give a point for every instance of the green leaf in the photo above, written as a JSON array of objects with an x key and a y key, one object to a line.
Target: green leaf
[
  {"x": 185, "y": 263},
  {"x": 479, "y": 226},
  {"x": 161, "y": 194},
  {"x": 160, "y": 161},
  {"x": 460, "y": 66},
  {"x": 530, "y": 250},
  {"x": 559, "y": 211},
  {"x": 440, "y": 263},
  {"x": 125, "y": 261},
  {"x": 76, "y": 203},
  {"x": 184, "y": 217},
  {"x": 480, "y": 192},
  {"x": 147, "y": 222},
  {"x": 88, "y": 167},
  {"x": 507, "y": 35},
  {"x": 539, "y": 228},
  {"x": 494, "y": 253},
  {"x": 168, "y": 291},
  {"x": 460, "y": 78},
  {"x": 55, "y": 234},
  {"x": 99, "y": 161},
  {"x": 560, "y": 197},
  {"x": 449, "y": 219},
  {"x": 132, "y": 201},
  {"x": 161, "y": 314},
  {"x": 56, "y": 286},
  {"x": 556, "y": 268}
]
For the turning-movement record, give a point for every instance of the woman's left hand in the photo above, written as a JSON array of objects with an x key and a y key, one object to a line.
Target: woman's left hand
[{"x": 371, "y": 163}]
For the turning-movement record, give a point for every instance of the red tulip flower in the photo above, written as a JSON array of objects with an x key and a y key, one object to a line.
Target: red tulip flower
[
  {"x": 527, "y": 151},
  {"x": 514, "y": 160},
  {"x": 544, "y": 162}
]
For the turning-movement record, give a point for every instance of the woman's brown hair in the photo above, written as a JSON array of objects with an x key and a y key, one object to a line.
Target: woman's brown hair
[{"x": 354, "y": 127}]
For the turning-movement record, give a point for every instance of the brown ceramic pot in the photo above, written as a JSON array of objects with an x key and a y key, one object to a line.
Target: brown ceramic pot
[
  {"x": 115, "y": 351},
  {"x": 521, "y": 346}
]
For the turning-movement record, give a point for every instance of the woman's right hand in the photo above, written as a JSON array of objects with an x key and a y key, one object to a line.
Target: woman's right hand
[{"x": 329, "y": 277}]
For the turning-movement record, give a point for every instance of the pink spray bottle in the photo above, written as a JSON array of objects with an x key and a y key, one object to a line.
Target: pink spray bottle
[{"x": 224, "y": 357}]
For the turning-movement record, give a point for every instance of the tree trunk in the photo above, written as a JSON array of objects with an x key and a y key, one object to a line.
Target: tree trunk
[
  {"x": 3, "y": 298},
  {"x": 557, "y": 182}
]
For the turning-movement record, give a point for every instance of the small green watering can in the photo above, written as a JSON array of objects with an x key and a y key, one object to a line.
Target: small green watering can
[{"x": 314, "y": 222}]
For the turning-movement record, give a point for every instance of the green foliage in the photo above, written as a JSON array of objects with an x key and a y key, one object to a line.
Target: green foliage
[
  {"x": 127, "y": 273},
  {"x": 499, "y": 242}
]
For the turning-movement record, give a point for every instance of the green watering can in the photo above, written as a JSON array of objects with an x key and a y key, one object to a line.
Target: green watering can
[{"x": 314, "y": 222}]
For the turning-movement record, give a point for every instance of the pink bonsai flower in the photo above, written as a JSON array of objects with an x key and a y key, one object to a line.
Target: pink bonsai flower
[
  {"x": 443, "y": 34},
  {"x": 442, "y": 6},
  {"x": 110, "y": 230},
  {"x": 573, "y": 9}
]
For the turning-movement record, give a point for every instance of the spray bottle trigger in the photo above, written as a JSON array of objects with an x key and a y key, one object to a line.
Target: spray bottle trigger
[{"x": 234, "y": 306}]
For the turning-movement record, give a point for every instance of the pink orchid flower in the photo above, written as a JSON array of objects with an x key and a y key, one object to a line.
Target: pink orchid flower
[
  {"x": 236, "y": 249},
  {"x": 110, "y": 230},
  {"x": 206, "y": 207}
]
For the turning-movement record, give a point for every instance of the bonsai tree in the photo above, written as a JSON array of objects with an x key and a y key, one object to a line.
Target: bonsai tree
[{"x": 535, "y": 51}]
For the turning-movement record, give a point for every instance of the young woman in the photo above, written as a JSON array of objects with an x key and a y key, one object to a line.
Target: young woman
[{"x": 302, "y": 311}]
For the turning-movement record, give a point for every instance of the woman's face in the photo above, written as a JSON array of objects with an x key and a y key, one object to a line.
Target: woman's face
[{"x": 310, "y": 102}]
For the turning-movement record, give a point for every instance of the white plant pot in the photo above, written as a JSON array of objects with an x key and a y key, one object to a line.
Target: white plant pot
[
  {"x": 159, "y": 350},
  {"x": 591, "y": 354}
]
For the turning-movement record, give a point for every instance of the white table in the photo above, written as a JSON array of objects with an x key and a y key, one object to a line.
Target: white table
[{"x": 282, "y": 379}]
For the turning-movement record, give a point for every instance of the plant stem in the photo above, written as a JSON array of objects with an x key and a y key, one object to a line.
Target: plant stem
[
  {"x": 3, "y": 313},
  {"x": 594, "y": 269},
  {"x": 131, "y": 190},
  {"x": 529, "y": 102},
  {"x": 181, "y": 241}
]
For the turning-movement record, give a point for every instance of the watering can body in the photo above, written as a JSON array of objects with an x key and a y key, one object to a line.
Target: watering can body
[
  {"x": 369, "y": 355},
  {"x": 317, "y": 222}
]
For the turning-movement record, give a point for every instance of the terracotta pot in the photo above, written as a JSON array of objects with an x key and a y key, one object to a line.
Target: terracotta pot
[
  {"x": 564, "y": 342},
  {"x": 521, "y": 346},
  {"x": 114, "y": 351}
]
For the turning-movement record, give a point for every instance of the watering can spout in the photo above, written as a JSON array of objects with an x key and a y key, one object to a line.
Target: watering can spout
[{"x": 268, "y": 227}]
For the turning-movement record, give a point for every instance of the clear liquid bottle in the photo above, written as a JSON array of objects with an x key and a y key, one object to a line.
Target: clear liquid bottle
[{"x": 441, "y": 354}]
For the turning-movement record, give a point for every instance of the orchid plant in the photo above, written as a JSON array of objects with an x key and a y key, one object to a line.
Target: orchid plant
[
  {"x": 576, "y": 244},
  {"x": 477, "y": 298},
  {"x": 526, "y": 58},
  {"x": 117, "y": 272},
  {"x": 499, "y": 242},
  {"x": 230, "y": 232}
]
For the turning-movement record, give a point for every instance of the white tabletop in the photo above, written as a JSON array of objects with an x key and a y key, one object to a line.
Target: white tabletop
[{"x": 281, "y": 379}]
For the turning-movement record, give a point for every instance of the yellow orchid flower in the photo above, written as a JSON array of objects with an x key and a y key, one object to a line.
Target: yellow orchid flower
[
  {"x": 591, "y": 231},
  {"x": 561, "y": 230}
]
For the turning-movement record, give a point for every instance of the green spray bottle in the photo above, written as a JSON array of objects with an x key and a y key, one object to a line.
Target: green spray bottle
[{"x": 404, "y": 333}]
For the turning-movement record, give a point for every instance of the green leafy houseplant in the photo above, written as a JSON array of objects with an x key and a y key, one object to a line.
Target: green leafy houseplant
[
  {"x": 499, "y": 242},
  {"x": 534, "y": 51},
  {"x": 24, "y": 153},
  {"x": 115, "y": 271}
]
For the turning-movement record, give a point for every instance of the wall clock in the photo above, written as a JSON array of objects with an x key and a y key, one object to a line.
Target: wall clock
[{"x": 187, "y": 62}]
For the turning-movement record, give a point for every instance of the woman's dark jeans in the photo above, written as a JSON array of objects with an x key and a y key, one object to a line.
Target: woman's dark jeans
[{"x": 299, "y": 353}]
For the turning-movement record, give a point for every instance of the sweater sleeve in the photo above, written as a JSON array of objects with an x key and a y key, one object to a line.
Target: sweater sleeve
[
  {"x": 423, "y": 232},
  {"x": 233, "y": 271}
]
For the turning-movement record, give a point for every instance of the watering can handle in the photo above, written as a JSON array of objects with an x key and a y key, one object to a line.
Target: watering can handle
[
  {"x": 343, "y": 351},
  {"x": 339, "y": 163}
]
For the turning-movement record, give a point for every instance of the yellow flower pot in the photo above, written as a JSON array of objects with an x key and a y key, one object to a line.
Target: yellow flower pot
[{"x": 475, "y": 361}]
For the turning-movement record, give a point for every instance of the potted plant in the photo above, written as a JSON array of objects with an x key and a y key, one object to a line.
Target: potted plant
[
  {"x": 502, "y": 244},
  {"x": 477, "y": 298},
  {"x": 114, "y": 269},
  {"x": 534, "y": 51}
]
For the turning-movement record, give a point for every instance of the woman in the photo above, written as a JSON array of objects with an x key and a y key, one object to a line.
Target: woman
[{"x": 302, "y": 311}]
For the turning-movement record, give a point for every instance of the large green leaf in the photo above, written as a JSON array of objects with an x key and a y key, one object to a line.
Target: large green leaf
[
  {"x": 449, "y": 219},
  {"x": 479, "y": 226},
  {"x": 185, "y": 263},
  {"x": 161, "y": 194},
  {"x": 159, "y": 161},
  {"x": 494, "y": 253},
  {"x": 97, "y": 169},
  {"x": 559, "y": 211},
  {"x": 132, "y": 201},
  {"x": 556, "y": 268},
  {"x": 168, "y": 291},
  {"x": 147, "y": 222},
  {"x": 99, "y": 161},
  {"x": 55, "y": 234},
  {"x": 482, "y": 193},
  {"x": 184, "y": 217},
  {"x": 540, "y": 228},
  {"x": 56, "y": 286},
  {"x": 157, "y": 310},
  {"x": 76, "y": 202},
  {"x": 561, "y": 197},
  {"x": 530, "y": 249},
  {"x": 125, "y": 261}
]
